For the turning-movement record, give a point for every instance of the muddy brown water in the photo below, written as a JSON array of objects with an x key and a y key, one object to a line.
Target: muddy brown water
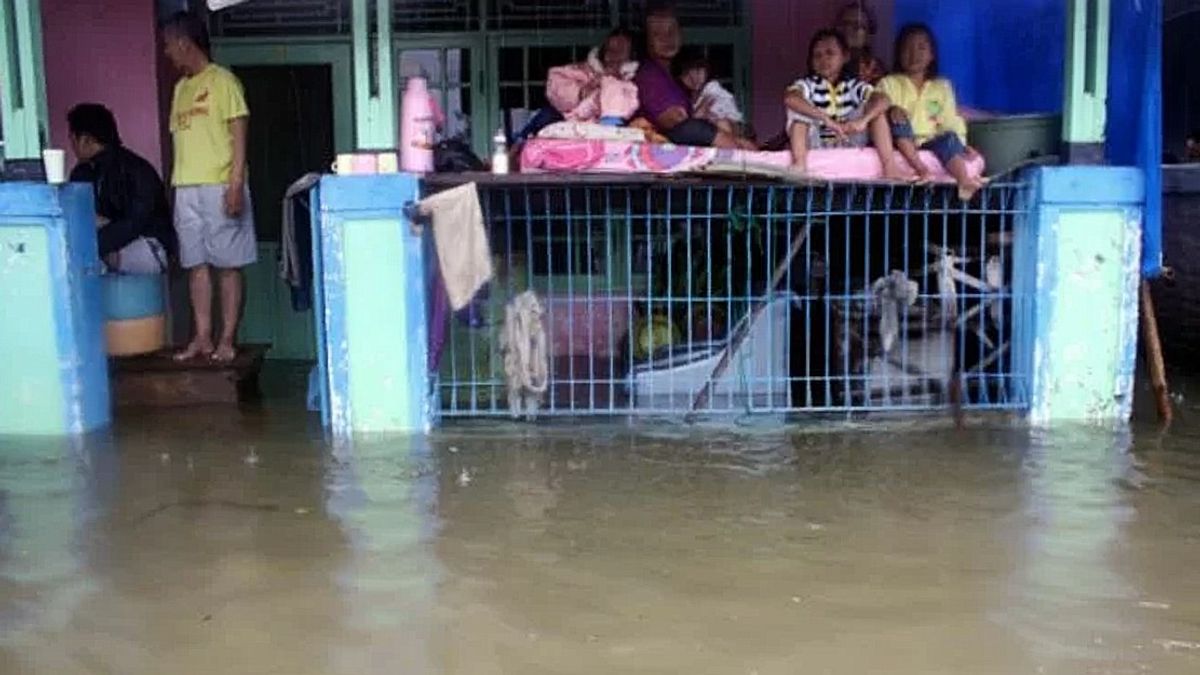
[{"x": 206, "y": 542}]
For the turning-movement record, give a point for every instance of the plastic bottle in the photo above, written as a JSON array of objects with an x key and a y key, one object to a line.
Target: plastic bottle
[
  {"x": 500, "y": 153},
  {"x": 417, "y": 127}
]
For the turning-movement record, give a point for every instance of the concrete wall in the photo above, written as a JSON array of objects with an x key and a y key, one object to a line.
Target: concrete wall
[
  {"x": 104, "y": 51},
  {"x": 781, "y": 30}
]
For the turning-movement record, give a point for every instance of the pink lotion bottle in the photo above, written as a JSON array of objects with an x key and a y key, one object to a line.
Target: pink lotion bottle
[{"x": 417, "y": 127}]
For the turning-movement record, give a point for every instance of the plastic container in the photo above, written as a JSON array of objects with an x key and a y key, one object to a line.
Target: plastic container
[
  {"x": 500, "y": 153},
  {"x": 135, "y": 313},
  {"x": 1006, "y": 142},
  {"x": 418, "y": 127}
]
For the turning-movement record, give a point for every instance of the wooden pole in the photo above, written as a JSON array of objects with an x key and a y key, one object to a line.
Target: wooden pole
[{"x": 1154, "y": 355}]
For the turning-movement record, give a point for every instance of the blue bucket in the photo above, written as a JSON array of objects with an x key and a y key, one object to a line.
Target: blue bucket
[{"x": 132, "y": 296}]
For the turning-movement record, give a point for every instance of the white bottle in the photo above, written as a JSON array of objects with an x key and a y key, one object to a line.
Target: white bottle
[{"x": 500, "y": 153}]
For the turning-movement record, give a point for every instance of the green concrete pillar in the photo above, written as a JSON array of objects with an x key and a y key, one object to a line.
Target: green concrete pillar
[
  {"x": 374, "y": 84},
  {"x": 23, "y": 96},
  {"x": 1085, "y": 87}
]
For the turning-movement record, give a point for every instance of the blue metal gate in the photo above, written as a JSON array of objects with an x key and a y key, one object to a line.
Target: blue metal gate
[{"x": 664, "y": 296}]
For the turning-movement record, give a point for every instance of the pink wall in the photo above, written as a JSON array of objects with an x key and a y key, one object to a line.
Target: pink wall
[
  {"x": 104, "y": 51},
  {"x": 781, "y": 30}
]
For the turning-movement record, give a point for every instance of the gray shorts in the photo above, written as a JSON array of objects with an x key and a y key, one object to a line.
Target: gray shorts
[
  {"x": 142, "y": 256},
  {"x": 209, "y": 237}
]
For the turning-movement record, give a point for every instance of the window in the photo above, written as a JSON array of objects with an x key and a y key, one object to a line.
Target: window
[
  {"x": 428, "y": 16},
  {"x": 447, "y": 70},
  {"x": 522, "y": 72},
  {"x": 487, "y": 60},
  {"x": 283, "y": 18},
  {"x": 541, "y": 14},
  {"x": 699, "y": 13}
]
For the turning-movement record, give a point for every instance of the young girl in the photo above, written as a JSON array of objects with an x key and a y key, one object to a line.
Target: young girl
[
  {"x": 600, "y": 89},
  {"x": 710, "y": 100},
  {"x": 826, "y": 109},
  {"x": 923, "y": 113}
]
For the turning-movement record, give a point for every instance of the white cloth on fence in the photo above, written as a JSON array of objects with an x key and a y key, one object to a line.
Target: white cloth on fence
[{"x": 461, "y": 241}]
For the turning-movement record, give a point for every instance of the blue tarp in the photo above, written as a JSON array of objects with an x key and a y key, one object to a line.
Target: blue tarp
[
  {"x": 1134, "y": 133},
  {"x": 1008, "y": 57},
  {"x": 1005, "y": 57}
]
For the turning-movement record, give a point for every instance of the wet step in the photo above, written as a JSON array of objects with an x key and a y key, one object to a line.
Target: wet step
[{"x": 158, "y": 380}]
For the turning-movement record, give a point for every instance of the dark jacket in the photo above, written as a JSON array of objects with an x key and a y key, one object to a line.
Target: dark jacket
[{"x": 131, "y": 196}]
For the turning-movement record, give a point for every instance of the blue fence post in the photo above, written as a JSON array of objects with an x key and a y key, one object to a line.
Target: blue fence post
[
  {"x": 54, "y": 379},
  {"x": 1083, "y": 264},
  {"x": 370, "y": 302}
]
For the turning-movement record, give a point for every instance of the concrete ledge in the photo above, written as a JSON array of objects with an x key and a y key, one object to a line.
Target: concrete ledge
[
  {"x": 378, "y": 193},
  {"x": 1090, "y": 185}
]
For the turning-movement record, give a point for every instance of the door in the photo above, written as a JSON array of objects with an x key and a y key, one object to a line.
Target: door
[{"x": 292, "y": 132}]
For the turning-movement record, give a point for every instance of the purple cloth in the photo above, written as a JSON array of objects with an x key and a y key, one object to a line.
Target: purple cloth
[
  {"x": 658, "y": 91},
  {"x": 439, "y": 317},
  {"x": 440, "y": 313}
]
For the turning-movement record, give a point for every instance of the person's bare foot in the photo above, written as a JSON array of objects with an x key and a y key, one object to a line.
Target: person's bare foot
[
  {"x": 893, "y": 173},
  {"x": 799, "y": 168},
  {"x": 968, "y": 190},
  {"x": 924, "y": 177},
  {"x": 197, "y": 348},
  {"x": 224, "y": 353}
]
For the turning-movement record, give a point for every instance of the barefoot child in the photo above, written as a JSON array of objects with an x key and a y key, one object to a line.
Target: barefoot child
[
  {"x": 923, "y": 113},
  {"x": 827, "y": 109},
  {"x": 710, "y": 100}
]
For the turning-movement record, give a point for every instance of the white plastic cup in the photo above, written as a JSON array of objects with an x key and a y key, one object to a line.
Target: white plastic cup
[{"x": 55, "y": 163}]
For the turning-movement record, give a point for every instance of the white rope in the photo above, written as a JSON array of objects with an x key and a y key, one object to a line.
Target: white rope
[
  {"x": 893, "y": 293},
  {"x": 526, "y": 354}
]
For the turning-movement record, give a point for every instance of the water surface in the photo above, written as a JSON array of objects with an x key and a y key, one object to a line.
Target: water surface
[{"x": 204, "y": 541}]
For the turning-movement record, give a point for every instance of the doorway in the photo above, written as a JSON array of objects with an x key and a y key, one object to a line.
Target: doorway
[{"x": 291, "y": 133}]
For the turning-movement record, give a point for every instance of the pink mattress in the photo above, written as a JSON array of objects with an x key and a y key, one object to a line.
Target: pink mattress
[{"x": 541, "y": 155}]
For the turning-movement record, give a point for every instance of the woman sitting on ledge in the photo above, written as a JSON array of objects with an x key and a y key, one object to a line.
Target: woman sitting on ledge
[{"x": 663, "y": 100}]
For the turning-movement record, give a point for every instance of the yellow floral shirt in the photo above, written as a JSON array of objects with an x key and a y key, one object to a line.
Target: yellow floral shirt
[{"x": 933, "y": 109}]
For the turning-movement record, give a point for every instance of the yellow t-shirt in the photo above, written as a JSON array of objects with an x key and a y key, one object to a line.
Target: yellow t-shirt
[
  {"x": 201, "y": 110},
  {"x": 933, "y": 110}
]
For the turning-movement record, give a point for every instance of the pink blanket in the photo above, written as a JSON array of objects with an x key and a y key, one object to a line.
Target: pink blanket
[{"x": 542, "y": 155}]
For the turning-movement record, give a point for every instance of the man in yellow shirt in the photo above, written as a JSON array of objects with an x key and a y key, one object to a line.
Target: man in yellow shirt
[{"x": 213, "y": 215}]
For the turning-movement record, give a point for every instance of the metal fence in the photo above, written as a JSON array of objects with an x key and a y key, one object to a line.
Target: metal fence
[{"x": 664, "y": 297}]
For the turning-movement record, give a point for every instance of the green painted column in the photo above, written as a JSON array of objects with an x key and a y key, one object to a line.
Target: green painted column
[
  {"x": 374, "y": 84},
  {"x": 1085, "y": 88},
  {"x": 23, "y": 97}
]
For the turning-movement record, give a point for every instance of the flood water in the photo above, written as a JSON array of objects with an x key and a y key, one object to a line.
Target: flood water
[{"x": 206, "y": 541}]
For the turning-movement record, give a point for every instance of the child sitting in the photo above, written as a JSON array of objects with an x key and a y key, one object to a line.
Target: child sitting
[
  {"x": 710, "y": 100},
  {"x": 923, "y": 113},
  {"x": 600, "y": 89},
  {"x": 827, "y": 109}
]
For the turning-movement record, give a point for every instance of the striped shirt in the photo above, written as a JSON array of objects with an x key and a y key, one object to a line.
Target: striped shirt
[{"x": 840, "y": 101}]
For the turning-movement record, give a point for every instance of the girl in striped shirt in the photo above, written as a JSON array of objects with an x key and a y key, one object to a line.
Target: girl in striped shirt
[{"x": 827, "y": 109}]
